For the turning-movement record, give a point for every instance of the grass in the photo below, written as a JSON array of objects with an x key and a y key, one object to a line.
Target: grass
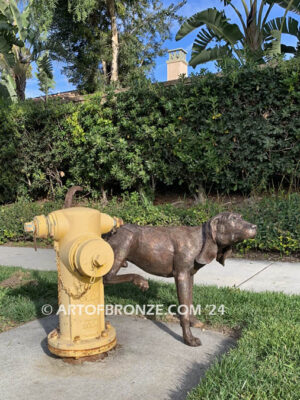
[
  {"x": 23, "y": 303},
  {"x": 264, "y": 365}
]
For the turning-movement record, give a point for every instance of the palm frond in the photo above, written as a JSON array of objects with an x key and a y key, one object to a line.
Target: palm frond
[
  {"x": 7, "y": 40},
  {"x": 216, "y": 53},
  {"x": 204, "y": 37},
  {"x": 216, "y": 21},
  {"x": 45, "y": 65},
  {"x": 289, "y": 25},
  {"x": 295, "y": 6}
]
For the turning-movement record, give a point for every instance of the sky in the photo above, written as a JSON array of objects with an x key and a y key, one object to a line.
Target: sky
[{"x": 160, "y": 71}]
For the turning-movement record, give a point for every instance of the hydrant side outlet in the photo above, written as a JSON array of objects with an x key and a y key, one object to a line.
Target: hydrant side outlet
[{"x": 82, "y": 257}]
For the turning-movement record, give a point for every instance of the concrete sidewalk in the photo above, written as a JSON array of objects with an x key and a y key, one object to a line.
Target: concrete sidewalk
[
  {"x": 251, "y": 275},
  {"x": 150, "y": 362}
]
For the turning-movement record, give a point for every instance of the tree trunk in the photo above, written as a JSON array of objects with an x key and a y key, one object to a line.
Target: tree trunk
[
  {"x": 104, "y": 200},
  {"x": 253, "y": 34},
  {"x": 104, "y": 67},
  {"x": 114, "y": 40},
  {"x": 20, "y": 86}
]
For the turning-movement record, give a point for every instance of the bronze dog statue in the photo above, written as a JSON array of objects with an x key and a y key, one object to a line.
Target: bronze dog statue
[
  {"x": 179, "y": 252},
  {"x": 175, "y": 251}
]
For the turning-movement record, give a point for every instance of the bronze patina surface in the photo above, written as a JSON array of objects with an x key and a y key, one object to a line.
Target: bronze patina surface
[
  {"x": 179, "y": 252},
  {"x": 175, "y": 251}
]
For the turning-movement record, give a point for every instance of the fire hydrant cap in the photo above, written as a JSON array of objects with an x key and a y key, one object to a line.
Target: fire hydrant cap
[
  {"x": 94, "y": 257},
  {"x": 39, "y": 226}
]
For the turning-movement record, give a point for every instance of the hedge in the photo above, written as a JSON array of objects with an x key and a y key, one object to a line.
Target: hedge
[
  {"x": 236, "y": 132},
  {"x": 276, "y": 217}
]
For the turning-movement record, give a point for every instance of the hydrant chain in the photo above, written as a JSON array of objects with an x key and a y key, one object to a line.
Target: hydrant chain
[{"x": 85, "y": 286}]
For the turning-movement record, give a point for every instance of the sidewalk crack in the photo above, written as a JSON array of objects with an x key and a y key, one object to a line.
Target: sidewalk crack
[{"x": 258, "y": 272}]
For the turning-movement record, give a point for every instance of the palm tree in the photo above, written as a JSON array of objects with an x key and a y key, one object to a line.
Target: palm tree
[
  {"x": 17, "y": 72},
  {"x": 8, "y": 39},
  {"x": 258, "y": 37}
]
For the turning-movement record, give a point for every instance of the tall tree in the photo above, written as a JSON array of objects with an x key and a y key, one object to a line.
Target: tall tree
[
  {"x": 82, "y": 46},
  {"x": 111, "y": 8},
  {"x": 106, "y": 41},
  {"x": 257, "y": 39}
]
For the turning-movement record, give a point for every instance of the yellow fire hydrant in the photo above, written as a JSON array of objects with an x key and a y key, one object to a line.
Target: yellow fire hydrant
[{"x": 82, "y": 257}]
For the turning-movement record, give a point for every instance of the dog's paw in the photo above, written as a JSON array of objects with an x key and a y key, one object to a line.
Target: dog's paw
[
  {"x": 192, "y": 341},
  {"x": 141, "y": 283}
]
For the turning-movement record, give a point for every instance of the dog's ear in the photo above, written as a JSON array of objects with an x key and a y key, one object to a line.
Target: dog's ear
[
  {"x": 223, "y": 254},
  {"x": 208, "y": 253},
  {"x": 209, "y": 248}
]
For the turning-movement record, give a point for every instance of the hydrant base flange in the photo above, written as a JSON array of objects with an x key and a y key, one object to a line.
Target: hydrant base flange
[{"x": 82, "y": 348}]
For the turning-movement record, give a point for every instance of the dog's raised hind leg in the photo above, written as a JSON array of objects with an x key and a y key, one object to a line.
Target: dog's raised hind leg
[
  {"x": 136, "y": 279},
  {"x": 121, "y": 252}
]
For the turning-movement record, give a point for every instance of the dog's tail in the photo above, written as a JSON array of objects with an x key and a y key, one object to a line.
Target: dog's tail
[{"x": 70, "y": 194}]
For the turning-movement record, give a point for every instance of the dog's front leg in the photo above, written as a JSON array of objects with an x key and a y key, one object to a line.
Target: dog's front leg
[
  {"x": 194, "y": 322},
  {"x": 182, "y": 280}
]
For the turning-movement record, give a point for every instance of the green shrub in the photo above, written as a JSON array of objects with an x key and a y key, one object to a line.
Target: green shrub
[
  {"x": 136, "y": 209},
  {"x": 277, "y": 218},
  {"x": 133, "y": 209},
  {"x": 13, "y": 217},
  {"x": 239, "y": 132}
]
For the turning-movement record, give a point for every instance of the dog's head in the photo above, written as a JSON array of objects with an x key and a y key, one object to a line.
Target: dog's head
[{"x": 220, "y": 233}]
